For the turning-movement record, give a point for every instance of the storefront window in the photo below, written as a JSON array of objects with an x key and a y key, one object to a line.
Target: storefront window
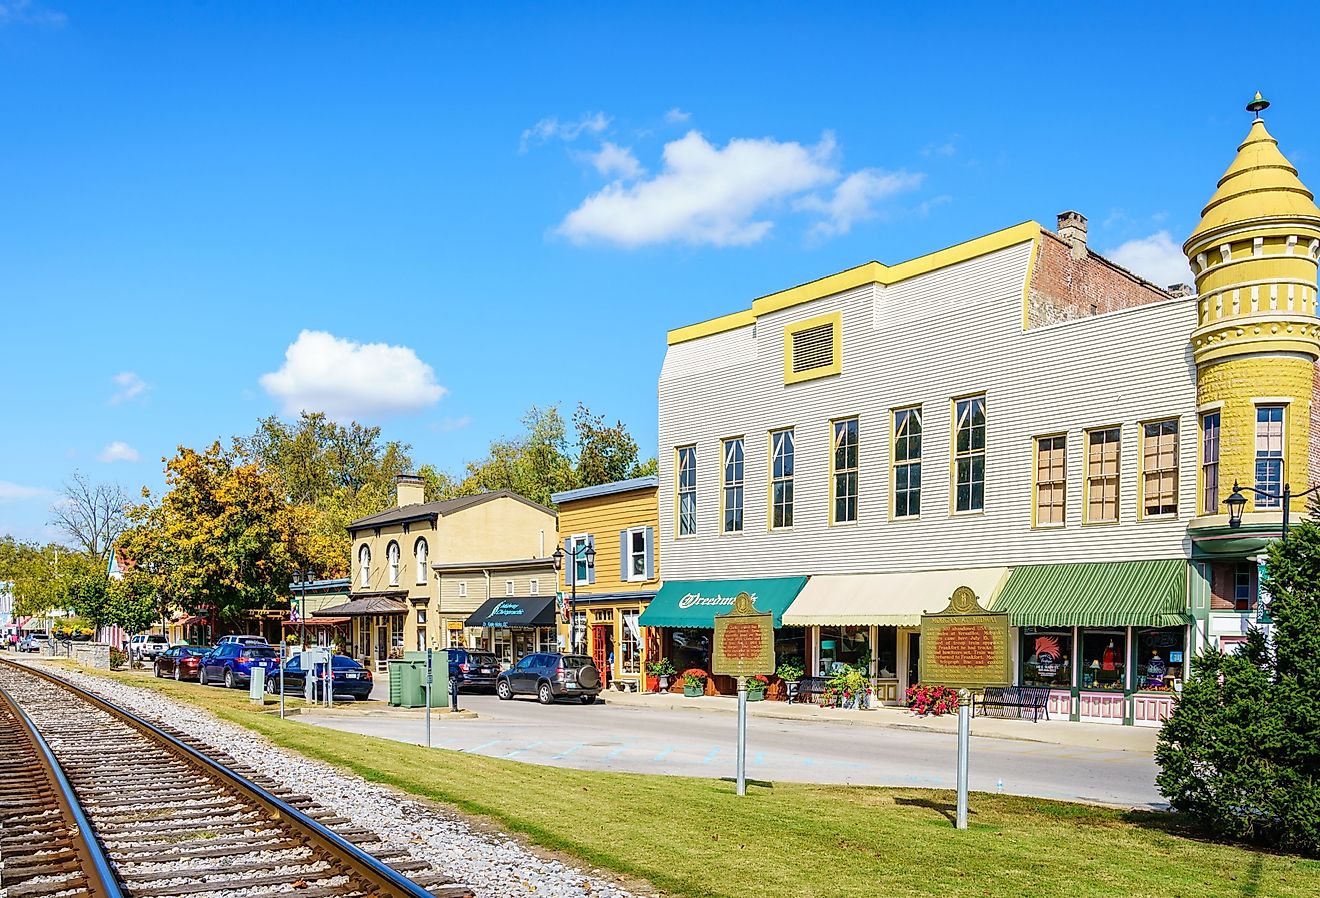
[
  {"x": 396, "y": 635},
  {"x": 1047, "y": 658},
  {"x": 1160, "y": 658},
  {"x": 843, "y": 646},
  {"x": 691, "y": 649},
  {"x": 886, "y": 652},
  {"x": 546, "y": 640},
  {"x": 630, "y": 647},
  {"x": 503, "y": 647},
  {"x": 1104, "y": 653},
  {"x": 790, "y": 643}
]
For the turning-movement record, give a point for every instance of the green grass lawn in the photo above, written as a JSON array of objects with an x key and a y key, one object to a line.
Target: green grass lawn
[{"x": 696, "y": 839}]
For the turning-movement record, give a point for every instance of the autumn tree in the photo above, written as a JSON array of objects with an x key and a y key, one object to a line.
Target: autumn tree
[
  {"x": 42, "y": 575},
  {"x": 222, "y": 535},
  {"x": 90, "y": 514}
]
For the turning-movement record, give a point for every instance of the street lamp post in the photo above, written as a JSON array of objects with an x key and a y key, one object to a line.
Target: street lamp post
[
  {"x": 587, "y": 552},
  {"x": 304, "y": 576},
  {"x": 1237, "y": 502}
]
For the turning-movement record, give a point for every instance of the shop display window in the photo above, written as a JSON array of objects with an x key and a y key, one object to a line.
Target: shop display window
[
  {"x": 692, "y": 649},
  {"x": 630, "y": 646},
  {"x": 840, "y": 646},
  {"x": 886, "y": 653},
  {"x": 1047, "y": 658},
  {"x": 1104, "y": 657},
  {"x": 1160, "y": 655}
]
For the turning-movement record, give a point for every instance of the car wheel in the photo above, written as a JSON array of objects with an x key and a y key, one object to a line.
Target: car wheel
[
  {"x": 155, "y": 671},
  {"x": 544, "y": 695},
  {"x": 229, "y": 680},
  {"x": 503, "y": 690},
  {"x": 178, "y": 674},
  {"x": 587, "y": 699}
]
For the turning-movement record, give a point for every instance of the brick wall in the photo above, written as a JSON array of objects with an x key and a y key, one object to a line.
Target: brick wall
[
  {"x": 1063, "y": 288},
  {"x": 1314, "y": 448}
]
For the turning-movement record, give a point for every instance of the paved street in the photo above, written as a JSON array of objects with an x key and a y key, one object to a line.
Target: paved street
[{"x": 696, "y": 743}]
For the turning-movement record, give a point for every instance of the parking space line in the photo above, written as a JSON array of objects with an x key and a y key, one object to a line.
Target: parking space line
[
  {"x": 710, "y": 756},
  {"x": 669, "y": 750},
  {"x": 518, "y": 751},
  {"x": 483, "y": 745},
  {"x": 566, "y": 752}
]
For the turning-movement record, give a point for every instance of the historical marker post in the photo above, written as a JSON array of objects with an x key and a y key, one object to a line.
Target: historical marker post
[
  {"x": 744, "y": 647},
  {"x": 966, "y": 646}
]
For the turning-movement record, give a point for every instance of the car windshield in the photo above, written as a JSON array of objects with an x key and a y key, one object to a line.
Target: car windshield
[
  {"x": 259, "y": 651},
  {"x": 196, "y": 650},
  {"x": 474, "y": 658},
  {"x": 576, "y": 661}
]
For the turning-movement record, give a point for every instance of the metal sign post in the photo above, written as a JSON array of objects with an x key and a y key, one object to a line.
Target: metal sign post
[
  {"x": 744, "y": 647},
  {"x": 284, "y": 650},
  {"x": 330, "y": 677},
  {"x": 428, "y": 698},
  {"x": 964, "y": 744},
  {"x": 742, "y": 735}
]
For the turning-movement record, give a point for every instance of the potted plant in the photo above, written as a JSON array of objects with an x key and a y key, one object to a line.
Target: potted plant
[
  {"x": 662, "y": 669},
  {"x": 756, "y": 684},
  {"x": 694, "y": 682},
  {"x": 790, "y": 670}
]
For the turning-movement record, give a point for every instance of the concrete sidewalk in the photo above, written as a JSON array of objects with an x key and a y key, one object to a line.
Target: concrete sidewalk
[{"x": 1053, "y": 732}]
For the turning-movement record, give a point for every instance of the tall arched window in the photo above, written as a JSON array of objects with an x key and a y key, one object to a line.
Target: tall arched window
[
  {"x": 419, "y": 550},
  {"x": 393, "y": 554},
  {"x": 364, "y": 566}
]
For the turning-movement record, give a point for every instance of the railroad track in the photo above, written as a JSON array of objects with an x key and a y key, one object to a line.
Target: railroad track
[{"x": 163, "y": 819}]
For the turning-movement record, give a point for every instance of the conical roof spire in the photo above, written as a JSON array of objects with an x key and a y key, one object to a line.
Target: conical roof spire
[{"x": 1260, "y": 184}]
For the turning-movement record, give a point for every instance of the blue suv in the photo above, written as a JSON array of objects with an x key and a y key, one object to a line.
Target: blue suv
[
  {"x": 472, "y": 668},
  {"x": 234, "y": 664}
]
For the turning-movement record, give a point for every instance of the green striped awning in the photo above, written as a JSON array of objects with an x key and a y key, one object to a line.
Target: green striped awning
[{"x": 1097, "y": 594}]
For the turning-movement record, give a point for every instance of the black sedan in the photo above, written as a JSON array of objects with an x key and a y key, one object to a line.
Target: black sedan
[{"x": 350, "y": 678}]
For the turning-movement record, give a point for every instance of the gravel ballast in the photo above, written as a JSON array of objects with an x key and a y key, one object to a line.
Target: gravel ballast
[{"x": 493, "y": 865}]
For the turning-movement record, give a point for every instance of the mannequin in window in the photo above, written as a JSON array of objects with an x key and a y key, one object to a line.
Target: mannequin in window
[{"x": 1107, "y": 658}]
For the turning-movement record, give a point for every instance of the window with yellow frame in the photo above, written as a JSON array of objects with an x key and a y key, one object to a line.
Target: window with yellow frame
[{"x": 843, "y": 471}]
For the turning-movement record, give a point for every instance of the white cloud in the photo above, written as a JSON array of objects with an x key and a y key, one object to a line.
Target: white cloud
[
  {"x": 552, "y": 128},
  {"x": 25, "y": 12},
  {"x": 677, "y": 116},
  {"x": 14, "y": 492},
  {"x": 118, "y": 451},
  {"x": 130, "y": 387},
  {"x": 344, "y": 379},
  {"x": 1156, "y": 258},
  {"x": 946, "y": 149},
  {"x": 855, "y": 198},
  {"x": 613, "y": 160},
  {"x": 704, "y": 193},
  {"x": 449, "y": 425}
]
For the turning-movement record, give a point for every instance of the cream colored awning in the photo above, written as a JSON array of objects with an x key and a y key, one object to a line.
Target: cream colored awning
[{"x": 887, "y": 600}]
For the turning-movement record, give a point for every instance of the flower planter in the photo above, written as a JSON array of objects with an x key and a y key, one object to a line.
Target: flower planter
[
  {"x": 652, "y": 684},
  {"x": 694, "y": 691},
  {"x": 756, "y": 695},
  {"x": 664, "y": 684}
]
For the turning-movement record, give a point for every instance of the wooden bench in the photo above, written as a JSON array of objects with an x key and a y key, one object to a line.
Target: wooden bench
[
  {"x": 1012, "y": 701},
  {"x": 808, "y": 690}
]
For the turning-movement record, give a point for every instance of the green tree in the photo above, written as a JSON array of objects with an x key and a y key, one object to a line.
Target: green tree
[
  {"x": 605, "y": 454},
  {"x": 1241, "y": 752},
  {"x": 88, "y": 595}
]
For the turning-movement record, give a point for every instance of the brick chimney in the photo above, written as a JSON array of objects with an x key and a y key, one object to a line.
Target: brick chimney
[
  {"x": 1072, "y": 229},
  {"x": 411, "y": 490}
]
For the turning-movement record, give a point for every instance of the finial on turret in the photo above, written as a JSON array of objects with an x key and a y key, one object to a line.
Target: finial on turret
[{"x": 1258, "y": 105}]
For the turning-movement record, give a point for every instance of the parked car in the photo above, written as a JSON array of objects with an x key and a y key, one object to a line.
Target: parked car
[
  {"x": 180, "y": 661},
  {"x": 34, "y": 641},
  {"x": 146, "y": 646},
  {"x": 472, "y": 668},
  {"x": 551, "y": 675},
  {"x": 235, "y": 664},
  {"x": 242, "y": 640},
  {"x": 350, "y": 678}
]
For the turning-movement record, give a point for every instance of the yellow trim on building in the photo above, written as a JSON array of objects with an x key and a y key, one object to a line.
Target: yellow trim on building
[
  {"x": 861, "y": 275},
  {"x": 835, "y": 320}
]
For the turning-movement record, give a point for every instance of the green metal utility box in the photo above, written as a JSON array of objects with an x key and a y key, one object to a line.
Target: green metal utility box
[{"x": 408, "y": 681}]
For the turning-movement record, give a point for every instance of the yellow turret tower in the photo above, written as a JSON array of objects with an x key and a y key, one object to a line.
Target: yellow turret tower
[{"x": 1257, "y": 337}]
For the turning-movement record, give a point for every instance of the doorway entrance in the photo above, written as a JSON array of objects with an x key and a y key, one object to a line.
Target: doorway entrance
[
  {"x": 602, "y": 650},
  {"x": 913, "y": 658}
]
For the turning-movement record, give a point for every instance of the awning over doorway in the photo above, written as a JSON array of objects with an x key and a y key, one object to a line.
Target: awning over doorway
[
  {"x": 1097, "y": 594},
  {"x": 533, "y": 611},
  {"x": 895, "y": 599},
  {"x": 362, "y": 606},
  {"x": 694, "y": 603}
]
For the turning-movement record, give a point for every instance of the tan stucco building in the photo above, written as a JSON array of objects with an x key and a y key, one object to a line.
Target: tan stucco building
[{"x": 393, "y": 599}]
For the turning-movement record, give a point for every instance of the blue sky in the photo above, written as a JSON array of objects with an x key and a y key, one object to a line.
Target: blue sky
[{"x": 430, "y": 216}]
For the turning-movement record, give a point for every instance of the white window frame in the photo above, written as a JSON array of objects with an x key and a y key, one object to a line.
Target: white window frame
[
  {"x": 579, "y": 556},
  {"x": 635, "y": 555},
  {"x": 533, "y": 587},
  {"x": 421, "y": 552},
  {"x": 392, "y": 555},
  {"x": 462, "y": 589},
  {"x": 508, "y": 588},
  {"x": 364, "y": 566}
]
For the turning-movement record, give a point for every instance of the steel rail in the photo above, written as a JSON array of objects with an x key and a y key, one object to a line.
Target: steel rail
[
  {"x": 97, "y": 870},
  {"x": 385, "y": 881}
]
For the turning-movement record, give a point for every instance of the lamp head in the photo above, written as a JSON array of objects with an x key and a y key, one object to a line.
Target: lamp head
[
  {"x": 558, "y": 558},
  {"x": 1236, "y": 502}
]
